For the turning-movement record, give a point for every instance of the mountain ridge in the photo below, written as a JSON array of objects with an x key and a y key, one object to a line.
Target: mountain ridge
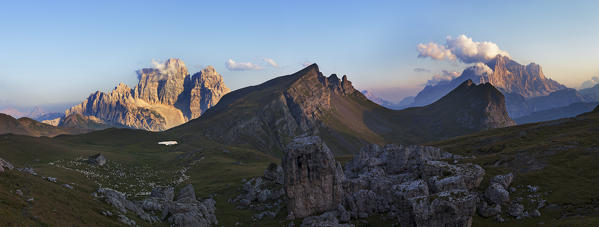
[{"x": 269, "y": 115}]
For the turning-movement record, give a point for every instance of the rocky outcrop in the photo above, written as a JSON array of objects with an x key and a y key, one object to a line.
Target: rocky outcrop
[
  {"x": 165, "y": 96},
  {"x": 5, "y": 165},
  {"x": 97, "y": 159},
  {"x": 313, "y": 179},
  {"x": 414, "y": 185},
  {"x": 160, "y": 206}
]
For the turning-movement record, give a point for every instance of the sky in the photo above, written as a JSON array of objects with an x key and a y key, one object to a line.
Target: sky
[{"x": 58, "y": 52}]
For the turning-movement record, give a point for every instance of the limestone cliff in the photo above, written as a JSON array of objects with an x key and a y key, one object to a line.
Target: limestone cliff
[{"x": 165, "y": 96}]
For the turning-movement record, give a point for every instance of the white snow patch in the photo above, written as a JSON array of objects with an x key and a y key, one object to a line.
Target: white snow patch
[{"x": 168, "y": 143}]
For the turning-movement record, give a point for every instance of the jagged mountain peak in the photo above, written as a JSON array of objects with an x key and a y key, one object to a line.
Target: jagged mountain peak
[{"x": 164, "y": 97}]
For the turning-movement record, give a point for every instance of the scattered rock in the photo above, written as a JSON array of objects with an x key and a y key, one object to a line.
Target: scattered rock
[
  {"x": 28, "y": 170},
  {"x": 312, "y": 177},
  {"x": 97, "y": 159},
  {"x": 30, "y": 199},
  {"x": 125, "y": 220},
  {"x": 5, "y": 165},
  {"x": 535, "y": 213},
  {"x": 516, "y": 210},
  {"x": 51, "y": 179},
  {"x": 107, "y": 213},
  {"x": 67, "y": 186},
  {"x": 19, "y": 192},
  {"x": 485, "y": 210}
]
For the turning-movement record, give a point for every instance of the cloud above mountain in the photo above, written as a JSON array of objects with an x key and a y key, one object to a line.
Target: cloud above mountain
[
  {"x": 271, "y": 62},
  {"x": 590, "y": 83},
  {"x": 241, "y": 66},
  {"x": 461, "y": 48},
  {"x": 443, "y": 76}
]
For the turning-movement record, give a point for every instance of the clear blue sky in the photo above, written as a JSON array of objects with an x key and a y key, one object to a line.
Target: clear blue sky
[{"x": 61, "y": 51}]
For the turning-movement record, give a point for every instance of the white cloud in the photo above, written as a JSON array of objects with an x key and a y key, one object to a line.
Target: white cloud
[
  {"x": 481, "y": 69},
  {"x": 241, "y": 66},
  {"x": 462, "y": 48},
  {"x": 590, "y": 83},
  {"x": 271, "y": 62},
  {"x": 434, "y": 51},
  {"x": 443, "y": 76}
]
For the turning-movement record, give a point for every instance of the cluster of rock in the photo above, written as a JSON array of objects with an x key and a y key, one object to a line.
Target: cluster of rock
[
  {"x": 166, "y": 96},
  {"x": 497, "y": 195},
  {"x": 184, "y": 210},
  {"x": 411, "y": 184},
  {"x": 263, "y": 194}
]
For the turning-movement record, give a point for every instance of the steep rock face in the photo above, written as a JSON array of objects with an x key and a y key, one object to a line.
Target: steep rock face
[
  {"x": 207, "y": 87},
  {"x": 312, "y": 177},
  {"x": 528, "y": 81},
  {"x": 164, "y": 97}
]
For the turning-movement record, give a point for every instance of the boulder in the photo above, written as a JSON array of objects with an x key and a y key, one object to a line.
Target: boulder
[
  {"x": 497, "y": 194},
  {"x": 5, "y": 165},
  {"x": 313, "y": 179},
  {"x": 274, "y": 173},
  {"x": 485, "y": 210},
  {"x": 187, "y": 194},
  {"x": 503, "y": 180},
  {"x": 97, "y": 159}
]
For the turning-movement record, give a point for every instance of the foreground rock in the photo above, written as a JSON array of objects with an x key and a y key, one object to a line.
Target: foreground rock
[
  {"x": 413, "y": 185},
  {"x": 313, "y": 179},
  {"x": 97, "y": 159},
  {"x": 5, "y": 165},
  {"x": 263, "y": 194},
  {"x": 186, "y": 210}
]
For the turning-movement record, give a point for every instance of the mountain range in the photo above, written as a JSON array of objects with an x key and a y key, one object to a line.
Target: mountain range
[
  {"x": 29, "y": 127},
  {"x": 269, "y": 115},
  {"x": 525, "y": 87},
  {"x": 165, "y": 96}
]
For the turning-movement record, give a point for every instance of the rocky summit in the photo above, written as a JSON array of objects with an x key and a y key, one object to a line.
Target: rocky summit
[{"x": 165, "y": 96}]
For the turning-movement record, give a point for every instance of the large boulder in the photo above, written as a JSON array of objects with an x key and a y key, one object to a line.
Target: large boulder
[
  {"x": 5, "y": 165},
  {"x": 313, "y": 179},
  {"x": 97, "y": 159}
]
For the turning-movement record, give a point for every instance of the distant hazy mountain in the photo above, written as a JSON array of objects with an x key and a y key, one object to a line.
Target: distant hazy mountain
[
  {"x": 591, "y": 93},
  {"x": 379, "y": 100},
  {"x": 571, "y": 110},
  {"x": 522, "y": 85},
  {"x": 166, "y": 96},
  {"x": 268, "y": 115},
  {"x": 30, "y": 127}
]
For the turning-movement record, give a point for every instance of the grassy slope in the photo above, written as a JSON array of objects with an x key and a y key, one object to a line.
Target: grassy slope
[{"x": 559, "y": 156}]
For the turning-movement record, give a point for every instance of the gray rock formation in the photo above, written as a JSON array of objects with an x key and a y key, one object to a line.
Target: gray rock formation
[
  {"x": 5, "y": 165},
  {"x": 97, "y": 159},
  {"x": 274, "y": 173},
  {"x": 264, "y": 194},
  {"x": 184, "y": 211},
  {"x": 166, "y": 96},
  {"x": 412, "y": 184},
  {"x": 313, "y": 179}
]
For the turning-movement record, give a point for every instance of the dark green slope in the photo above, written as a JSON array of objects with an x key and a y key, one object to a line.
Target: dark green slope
[{"x": 560, "y": 156}]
